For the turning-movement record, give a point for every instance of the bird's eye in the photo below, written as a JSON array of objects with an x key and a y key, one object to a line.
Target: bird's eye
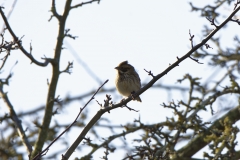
[{"x": 124, "y": 69}]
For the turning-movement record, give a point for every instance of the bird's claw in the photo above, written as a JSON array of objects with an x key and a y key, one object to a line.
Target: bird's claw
[{"x": 133, "y": 95}]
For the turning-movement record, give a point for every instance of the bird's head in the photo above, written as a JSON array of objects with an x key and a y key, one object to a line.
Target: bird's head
[{"x": 124, "y": 68}]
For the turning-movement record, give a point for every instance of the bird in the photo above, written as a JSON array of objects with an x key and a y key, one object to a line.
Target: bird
[{"x": 127, "y": 80}]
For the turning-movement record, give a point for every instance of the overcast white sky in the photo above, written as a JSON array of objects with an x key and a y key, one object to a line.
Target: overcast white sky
[{"x": 149, "y": 34}]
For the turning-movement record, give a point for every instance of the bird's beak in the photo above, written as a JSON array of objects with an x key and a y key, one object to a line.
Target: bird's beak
[{"x": 117, "y": 68}]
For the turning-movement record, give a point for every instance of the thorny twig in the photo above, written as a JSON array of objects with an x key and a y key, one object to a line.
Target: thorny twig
[{"x": 150, "y": 73}]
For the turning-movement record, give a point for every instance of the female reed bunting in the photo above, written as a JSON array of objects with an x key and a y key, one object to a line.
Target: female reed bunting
[{"x": 127, "y": 80}]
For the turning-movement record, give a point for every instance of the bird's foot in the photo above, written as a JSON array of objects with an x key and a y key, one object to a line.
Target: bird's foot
[{"x": 133, "y": 95}]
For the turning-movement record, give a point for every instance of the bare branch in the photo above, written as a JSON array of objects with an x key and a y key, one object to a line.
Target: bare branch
[
  {"x": 191, "y": 38},
  {"x": 131, "y": 109},
  {"x": 68, "y": 68},
  {"x": 66, "y": 34},
  {"x": 237, "y": 21},
  {"x": 196, "y": 60},
  {"x": 84, "y": 3},
  {"x": 15, "y": 118},
  {"x": 212, "y": 22},
  {"x": 150, "y": 73},
  {"x": 19, "y": 43},
  {"x": 54, "y": 11},
  {"x": 208, "y": 46},
  {"x": 236, "y": 4},
  {"x": 9, "y": 14},
  {"x": 42, "y": 153}
]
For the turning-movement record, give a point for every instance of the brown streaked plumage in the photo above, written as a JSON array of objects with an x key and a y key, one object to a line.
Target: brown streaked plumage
[{"x": 127, "y": 80}]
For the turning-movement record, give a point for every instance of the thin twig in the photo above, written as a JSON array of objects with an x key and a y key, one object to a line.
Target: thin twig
[
  {"x": 15, "y": 118},
  {"x": 191, "y": 38},
  {"x": 42, "y": 153},
  {"x": 9, "y": 14},
  {"x": 212, "y": 22},
  {"x": 19, "y": 43},
  {"x": 149, "y": 73},
  {"x": 84, "y": 3},
  {"x": 196, "y": 60}
]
